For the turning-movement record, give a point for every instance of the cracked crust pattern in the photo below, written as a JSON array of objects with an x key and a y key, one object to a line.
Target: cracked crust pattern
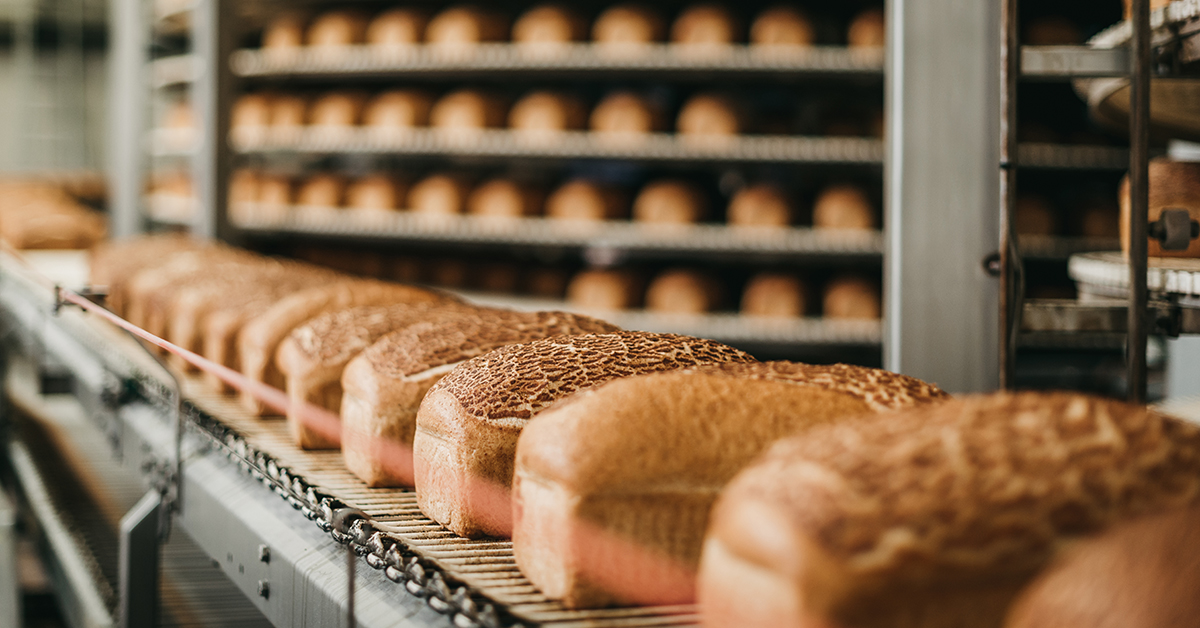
[
  {"x": 881, "y": 390},
  {"x": 338, "y": 336}
]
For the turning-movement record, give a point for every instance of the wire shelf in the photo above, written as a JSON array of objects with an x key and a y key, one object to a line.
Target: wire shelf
[{"x": 1061, "y": 248}]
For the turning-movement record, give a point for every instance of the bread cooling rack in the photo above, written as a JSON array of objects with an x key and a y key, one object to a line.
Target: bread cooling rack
[{"x": 473, "y": 582}]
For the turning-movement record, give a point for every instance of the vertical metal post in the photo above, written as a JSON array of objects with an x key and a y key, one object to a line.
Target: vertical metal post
[
  {"x": 213, "y": 40},
  {"x": 1010, "y": 266},
  {"x": 941, "y": 191},
  {"x": 1139, "y": 197},
  {"x": 139, "y": 563},
  {"x": 127, "y": 110},
  {"x": 10, "y": 585}
]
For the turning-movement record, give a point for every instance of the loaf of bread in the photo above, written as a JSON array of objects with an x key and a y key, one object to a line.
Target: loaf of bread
[
  {"x": 843, "y": 207},
  {"x": 467, "y": 110},
  {"x": 548, "y": 25},
  {"x": 761, "y": 205},
  {"x": 397, "y": 109},
  {"x": 775, "y": 295},
  {"x": 624, "y": 114},
  {"x": 627, "y": 27},
  {"x": 284, "y": 33},
  {"x": 581, "y": 199},
  {"x": 289, "y": 112},
  {"x": 314, "y": 354},
  {"x": 439, "y": 194},
  {"x": 275, "y": 197},
  {"x": 468, "y": 423},
  {"x": 397, "y": 28},
  {"x": 1140, "y": 574},
  {"x": 340, "y": 109},
  {"x": 259, "y": 339},
  {"x": 1173, "y": 185},
  {"x": 384, "y": 385},
  {"x": 670, "y": 201},
  {"x": 681, "y": 291},
  {"x": 322, "y": 189},
  {"x": 705, "y": 25},
  {"x": 113, "y": 263},
  {"x": 710, "y": 115},
  {"x": 340, "y": 27},
  {"x": 505, "y": 198},
  {"x": 610, "y": 289},
  {"x": 852, "y": 297},
  {"x": 543, "y": 113},
  {"x": 1035, "y": 216},
  {"x": 576, "y": 483},
  {"x": 149, "y": 291},
  {"x": 462, "y": 27},
  {"x": 251, "y": 113},
  {"x": 782, "y": 27},
  {"x": 376, "y": 192},
  {"x": 867, "y": 30},
  {"x": 933, "y": 516}
]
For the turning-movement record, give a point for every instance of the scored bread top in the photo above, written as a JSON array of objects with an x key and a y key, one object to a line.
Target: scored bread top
[
  {"x": 337, "y": 336},
  {"x": 982, "y": 487},
  {"x": 879, "y": 389},
  {"x": 463, "y": 335},
  {"x": 518, "y": 381}
]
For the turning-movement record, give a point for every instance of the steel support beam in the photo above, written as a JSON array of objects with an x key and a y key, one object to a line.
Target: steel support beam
[{"x": 127, "y": 110}]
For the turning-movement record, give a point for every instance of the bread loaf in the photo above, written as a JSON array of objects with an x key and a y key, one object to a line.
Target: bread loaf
[
  {"x": 709, "y": 115},
  {"x": 782, "y": 27},
  {"x": 705, "y": 25},
  {"x": 468, "y": 423},
  {"x": 376, "y": 192},
  {"x": 843, "y": 207},
  {"x": 384, "y": 385},
  {"x": 467, "y": 110},
  {"x": 849, "y": 296},
  {"x": 341, "y": 27},
  {"x": 642, "y": 459},
  {"x": 397, "y": 109},
  {"x": 439, "y": 194},
  {"x": 683, "y": 291},
  {"x": 1034, "y": 216},
  {"x": 545, "y": 112},
  {"x": 505, "y": 198},
  {"x": 605, "y": 290},
  {"x": 250, "y": 113},
  {"x": 314, "y": 354},
  {"x": 337, "y": 109},
  {"x": 586, "y": 200},
  {"x": 627, "y": 27},
  {"x": 259, "y": 339},
  {"x": 867, "y": 30},
  {"x": 463, "y": 27},
  {"x": 397, "y": 28},
  {"x": 244, "y": 187},
  {"x": 114, "y": 263},
  {"x": 934, "y": 516},
  {"x": 762, "y": 205},
  {"x": 1140, "y": 574},
  {"x": 548, "y": 25},
  {"x": 670, "y": 202},
  {"x": 1173, "y": 185},
  {"x": 624, "y": 114},
  {"x": 323, "y": 189},
  {"x": 274, "y": 197},
  {"x": 288, "y": 112},
  {"x": 148, "y": 292},
  {"x": 284, "y": 33},
  {"x": 775, "y": 295}
]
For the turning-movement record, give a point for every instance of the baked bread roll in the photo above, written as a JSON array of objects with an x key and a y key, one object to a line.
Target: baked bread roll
[
  {"x": 548, "y": 25},
  {"x": 1140, "y": 574},
  {"x": 782, "y": 27},
  {"x": 586, "y": 200},
  {"x": 468, "y": 423},
  {"x": 1173, "y": 185},
  {"x": 341, "y": 27},
  {"x": 384, "y": 385},
  {"x": 624, "y": 114},
  {"x": 605, "y": 290},
  {"x": 397, "y": 28},
  {"x": 867, "y": 30},
  {"x": 274, "y": 197},
  {"x": 843, "y": 207},
  {"x": 251, "y": 112},
  {"x": 463, "y": 27},
  {"x": 762, "y": 205},
  {"x": 683, "y": 292},
  {"x": 933, "y": 516},
  {"x": 504, "y": 198},
  {"x": 774, "y": 295},
  {"x": 1035, "y": 216},
  {"x": 576, "y": 484},
  {"x": 288, "y": 112},
  {"x": 259, "y": 339},
  {"x": 439, "y": 194},
  {"x": 546, "y": 112},
  {"x": 705, "y": 25},
  {"x": 709, "y": 115},
  {"x": 376, "y": 192},
  {"x": 337, "y": 109},
  {"x": 313, "y": 356},
  {"x": 467, "y": 109},
  {"x": 670, "y": 202},
  {"x": 627, "y": 27},
  {"x": 851, "y": 297},
  {"x": 322, "y": 190},
  {"x": 397, "y": 109},
  {"x": 284, "y": 33},
  {"x": 1100, "y": 221}
]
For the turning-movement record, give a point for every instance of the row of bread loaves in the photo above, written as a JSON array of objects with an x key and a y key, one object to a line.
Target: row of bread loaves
[
  {"x": 620, "y": 27},
  {"x": 41, "y": 214}
]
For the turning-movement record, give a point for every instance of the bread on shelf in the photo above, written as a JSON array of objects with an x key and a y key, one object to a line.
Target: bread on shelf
[
  {"x": 289, "y": 112},
  {"x": 1100, "y": 220},
  {"x": 337, "y": 28},
  {"x": 468, "y": 423},
  {"x": 639, "y": 461},
  {"x": 683, "y": 291},
  {"x": 1034, "y": 215},
  {"x": 867, "y": 30},
  {"x": 251, "y": 112},
  {"x": 624, "y": 115},
  {"x": 548, "y": 25},
  {"x": 760, "y": 205},
  {"x": 467, "y": 110},
  {"x": 581, "y": 199},
  {"x": 439, "y": 194},
  {"x": 284, "y": 33},
  {"x": 775, "y": 295},
  {"x": 376, "y": 192},
  {"x": 337, "y": 109},
  {"x": 384, "y": 385},
  {"x": 706, "y": 24},
  {"x": 398, "y": 27},
  {"x": 851, "y": 297},
  {"x": 544, "y": 113},
  {"x": 627, "y": 27},
  {"x": 843, "y": 207},
  {"x": 710, "y": 116},
  {"x": 782, "y": 26},
  {"x": 462, "y": 27},
  {"x": 505, "y": 198},
  {"x": 936, "y": 515},
  {"x": 605, "y": 289},
  {"x": 322, "y": 189},
  {"x": 275, "y": 195},
  {"x": 397, "y": 110},
  {"x": 1173, "y": 185},
  {"x": 671, "y": 202}
]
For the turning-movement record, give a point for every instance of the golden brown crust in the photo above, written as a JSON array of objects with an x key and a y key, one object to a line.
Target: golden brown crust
[
  {"x": 782, "y": 26},
  {"x": 114, "y": 263},
  {"x": 548, "y": 24}
]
